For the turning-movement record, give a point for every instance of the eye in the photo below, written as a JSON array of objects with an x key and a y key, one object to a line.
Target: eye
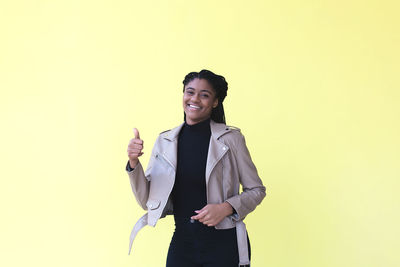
[
  {"x": 189, "y": 92},
  {"x": 205, "y": 95}
]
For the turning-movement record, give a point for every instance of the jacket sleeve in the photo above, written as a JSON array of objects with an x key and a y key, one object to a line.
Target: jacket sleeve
[
  {"x": 253, "y": 188},
  {"x": 140, "y": 180}
]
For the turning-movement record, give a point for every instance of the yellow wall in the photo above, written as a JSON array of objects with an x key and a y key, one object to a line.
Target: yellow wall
[{"x": 314, "y": 86}]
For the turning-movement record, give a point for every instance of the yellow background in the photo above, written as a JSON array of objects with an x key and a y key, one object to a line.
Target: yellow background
[{"x": 314, "y": 86}]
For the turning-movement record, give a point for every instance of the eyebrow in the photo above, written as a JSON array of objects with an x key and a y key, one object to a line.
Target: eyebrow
[{"x": 204, "y": 90}]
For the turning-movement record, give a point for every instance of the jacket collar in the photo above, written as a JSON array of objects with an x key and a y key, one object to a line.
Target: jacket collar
[
  {"x": 217, "y": 130},
  {"x": 217, "y": 149}
]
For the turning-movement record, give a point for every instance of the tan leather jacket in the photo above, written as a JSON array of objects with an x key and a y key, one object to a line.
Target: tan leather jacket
[{"x": 229, "y": 165}]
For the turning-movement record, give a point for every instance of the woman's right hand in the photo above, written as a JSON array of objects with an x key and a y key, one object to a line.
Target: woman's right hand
[{"x": 135, "y": 148}]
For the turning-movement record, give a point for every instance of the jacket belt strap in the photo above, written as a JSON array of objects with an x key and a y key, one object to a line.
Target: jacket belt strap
[
  {"x": 241, "y": 234},
  {"x": 142, "y": 222},
  {"x": 243, "y": 248}
]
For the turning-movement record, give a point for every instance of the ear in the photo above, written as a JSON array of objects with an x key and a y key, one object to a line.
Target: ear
[{"x": 215, "y": 104}]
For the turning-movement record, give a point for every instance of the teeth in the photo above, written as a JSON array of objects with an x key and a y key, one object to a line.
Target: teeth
[{"x": 192, "y": 106}]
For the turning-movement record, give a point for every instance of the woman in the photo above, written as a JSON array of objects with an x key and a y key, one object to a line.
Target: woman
[{"x": 194, "y": 172}]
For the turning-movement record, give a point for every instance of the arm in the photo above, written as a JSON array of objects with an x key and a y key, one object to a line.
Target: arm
[
  {"x": 139, "y": 183},
  {"x": 253, "y": 188},
  {"x": 238, "y": 206},
  {"x": 139, "y": 180}
]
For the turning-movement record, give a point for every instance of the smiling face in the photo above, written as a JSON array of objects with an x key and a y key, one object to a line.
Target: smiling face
[{"x": 199, "y": 99}]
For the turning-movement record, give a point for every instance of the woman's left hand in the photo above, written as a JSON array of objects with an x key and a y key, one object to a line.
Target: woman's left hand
[{"x": 212, "y": 214}]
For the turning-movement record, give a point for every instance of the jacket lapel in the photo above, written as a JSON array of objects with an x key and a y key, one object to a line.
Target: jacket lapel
[
  {"x": 170, "y": 151},
  {"x": 217, "y": 149}
]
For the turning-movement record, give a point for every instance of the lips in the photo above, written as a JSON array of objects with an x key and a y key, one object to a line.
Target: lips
[{"x": 193, "y": 106}]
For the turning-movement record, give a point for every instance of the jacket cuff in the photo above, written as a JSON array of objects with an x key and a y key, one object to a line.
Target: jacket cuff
[
  {"x": 128, "y": 167},
  {"x": 235, "y": 206},
  {"x": 234, "y": 214}
]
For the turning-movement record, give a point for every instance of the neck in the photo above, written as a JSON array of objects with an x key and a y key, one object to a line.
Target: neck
[{"x": 190, "y": 123}]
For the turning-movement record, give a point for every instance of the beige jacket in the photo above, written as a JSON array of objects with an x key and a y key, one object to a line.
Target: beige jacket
[{"x": 229, "y": 165}]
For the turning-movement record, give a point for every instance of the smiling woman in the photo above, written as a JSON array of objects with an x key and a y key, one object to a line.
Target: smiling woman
[
  {"x": 210, "y": 85},
  {"x": 199, "y": 99},
  {"x": 195, "y": 172}
]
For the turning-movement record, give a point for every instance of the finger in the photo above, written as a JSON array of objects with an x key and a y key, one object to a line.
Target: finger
[
  {"x": 197, "y": 217},
  {"x": 137, "y": 146},
  {"x": 202, "y": 209},
  {"x": 133, "y": 145},
  {"x": 135, "y": 154},
  {"x": 200, "y": 215},
  {"x": 208, "y": 223},
  {"x": 134, "y": 151},
  {"x": 136, "y": 133},
  {"x": 205, "y": 219},
  {"x": 137, "y": 141}
]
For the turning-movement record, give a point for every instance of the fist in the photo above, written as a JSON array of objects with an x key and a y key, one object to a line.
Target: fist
[{"x": 135, "y": 148}]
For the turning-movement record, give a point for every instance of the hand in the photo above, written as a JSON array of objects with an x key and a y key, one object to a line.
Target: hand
[
  {"x": 135, "y": 147},
  {"x": 212, "y": 214}
]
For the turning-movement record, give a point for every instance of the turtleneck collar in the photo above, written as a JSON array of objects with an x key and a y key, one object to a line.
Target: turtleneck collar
[{"x": 200, "y": 126}]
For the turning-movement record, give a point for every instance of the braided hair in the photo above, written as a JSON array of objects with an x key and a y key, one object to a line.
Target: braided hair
[{"x": 220, "y": 86}]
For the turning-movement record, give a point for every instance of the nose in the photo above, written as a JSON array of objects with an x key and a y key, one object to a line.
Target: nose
[{"x": 195, "y": 98}]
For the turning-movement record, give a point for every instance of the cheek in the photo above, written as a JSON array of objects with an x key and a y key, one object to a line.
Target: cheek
[
  {"x": 209, "y": 105},
  {"x": 183, "y": 103}
]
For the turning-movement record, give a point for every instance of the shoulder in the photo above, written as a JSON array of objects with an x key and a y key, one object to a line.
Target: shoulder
[
  {"x": 222, "y": 130},
  {"x": 164, "y": 134},
  {"x": 233, "y": 134},
  {"x": 166, "y": 131},
  {"x": 172, "y": 133},
  {"x": 233, "y": 128},
  {"x": 171, "y": 130}
]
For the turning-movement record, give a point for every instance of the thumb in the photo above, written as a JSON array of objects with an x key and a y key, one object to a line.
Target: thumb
[{"x": 136, "y": 133}]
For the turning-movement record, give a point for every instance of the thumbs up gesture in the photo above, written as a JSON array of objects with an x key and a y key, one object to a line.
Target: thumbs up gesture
[{"x": 135, "y": 147}]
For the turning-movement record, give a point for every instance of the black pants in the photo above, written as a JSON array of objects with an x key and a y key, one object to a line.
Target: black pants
[{"x": 194, "y": 244}]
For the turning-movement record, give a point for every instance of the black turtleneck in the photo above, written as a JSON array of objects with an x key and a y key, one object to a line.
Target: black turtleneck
[{"x": 189, "y": 192}]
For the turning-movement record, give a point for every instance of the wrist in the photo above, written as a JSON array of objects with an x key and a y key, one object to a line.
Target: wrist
[
  {"x": 133, "y": 163},
  {"x": 228, "y": 208}
]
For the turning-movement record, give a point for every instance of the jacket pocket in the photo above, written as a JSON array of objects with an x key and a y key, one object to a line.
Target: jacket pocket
[{"x": 152, "y": 204}]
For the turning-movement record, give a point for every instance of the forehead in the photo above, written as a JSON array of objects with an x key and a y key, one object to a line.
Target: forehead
[{"x": 199, "y": 84}]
